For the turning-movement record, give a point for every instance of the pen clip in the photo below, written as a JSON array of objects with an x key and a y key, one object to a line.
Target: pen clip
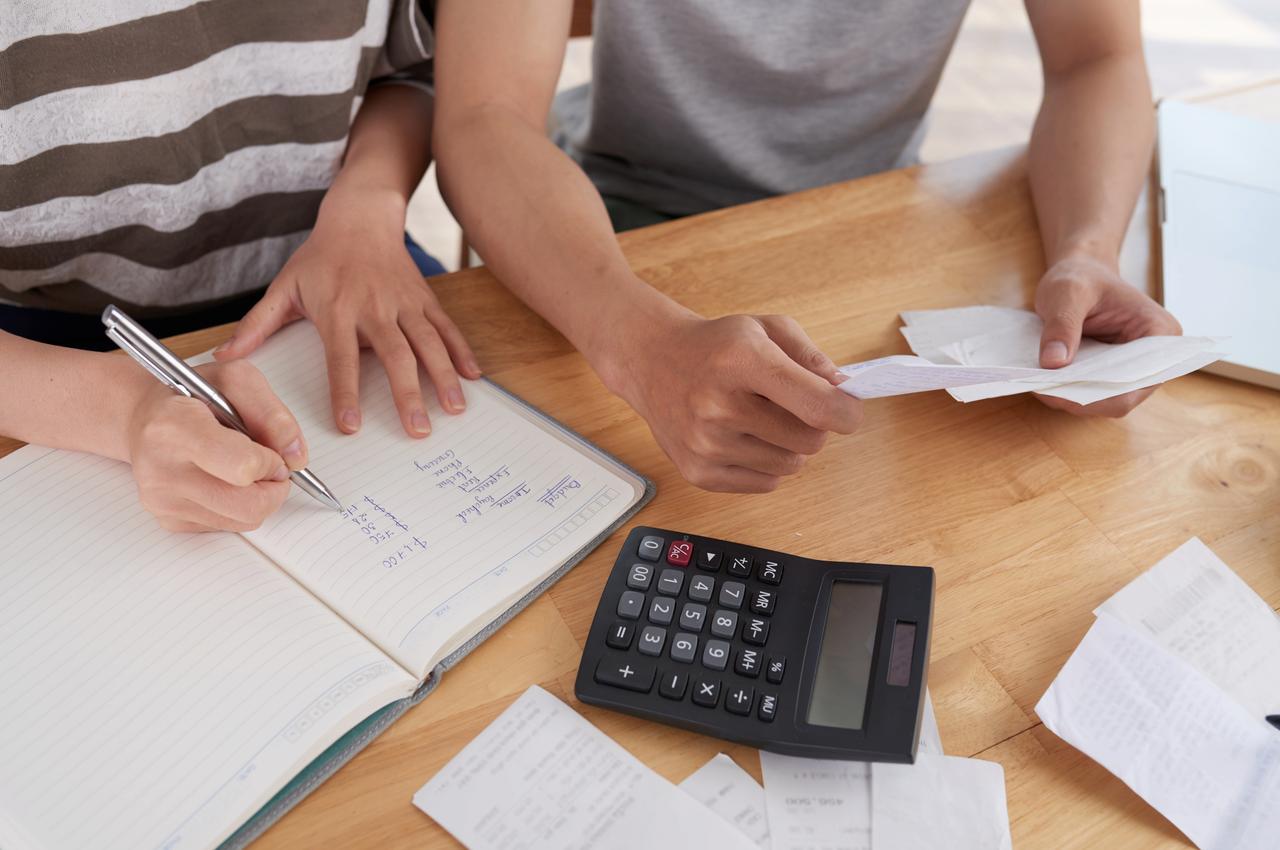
[{"x": 127, "y": 346}]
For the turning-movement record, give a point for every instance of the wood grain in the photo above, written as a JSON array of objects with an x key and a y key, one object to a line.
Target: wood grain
[{"x": 1030, "y": 517}]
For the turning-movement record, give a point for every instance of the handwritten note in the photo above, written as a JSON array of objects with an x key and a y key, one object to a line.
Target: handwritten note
[{"x": 438, "y": 533}]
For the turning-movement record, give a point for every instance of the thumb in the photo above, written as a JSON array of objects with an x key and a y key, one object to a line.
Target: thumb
[
  {"x": 788, "y": 335},
  {"x": 1063, "y": 310},
  {"x": 269, "y": 315}
]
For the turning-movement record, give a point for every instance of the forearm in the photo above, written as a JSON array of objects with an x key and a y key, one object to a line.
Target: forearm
[
  {"x": 66, "y": 398},
  {"x": 387, "y": 153},
  {"x": 1090, "y": 153},
  {"x": 541, "y": 227}
]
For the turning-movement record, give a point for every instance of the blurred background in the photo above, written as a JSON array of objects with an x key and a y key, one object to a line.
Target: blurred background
[{"x": 991, "y": 86}]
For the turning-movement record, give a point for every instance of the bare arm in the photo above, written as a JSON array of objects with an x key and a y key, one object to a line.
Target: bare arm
[
  {"x": 736, "y": 402},
  {"x": 1089, "y": 156},
  {"x": 355, "y": 280}
]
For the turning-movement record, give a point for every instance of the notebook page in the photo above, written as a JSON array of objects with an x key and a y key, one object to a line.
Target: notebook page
[
  {"x": 440, "y": 533},
  {"x": 158, "y": 687}
]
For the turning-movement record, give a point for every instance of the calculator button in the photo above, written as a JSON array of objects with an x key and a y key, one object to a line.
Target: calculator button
[
  {"x": 768, "y": 707},
  {"x": 738, "y": 700},
  {"x": 651, "y": 640},
  {"x": 670, "y": 582},
  {"x": 724, "y": 623},
  {"x": 673, "y": 685},
  {"x": 632, "y": 674},
  {"x": 770, "y": 572},
  {"x": 755, "y": 630},
  {"x": 639, "y": 577},
  {"x": 716, "y": 654},
  {"x": 650, "y": 548},
  {"x": 764, "y": 601},
  {"x": 630, "y": 604},
  {"x": 662, "y": 611},
  {"x": 620, "y": 635},
  {"x": 706, "y": 692},
  {"x": 747, "y": 663},
  {"x": 679, "y": 553},
  {"x": 684, "y": 647},
  {"x": 731, "y": 593},
  {"x": 693, "y": 616},
  {"x": 740, "y": 565},
  {"x": 777, "y": 666},
  {"x": 701, "y": 588},
  {"x": 709, "y": 559}
]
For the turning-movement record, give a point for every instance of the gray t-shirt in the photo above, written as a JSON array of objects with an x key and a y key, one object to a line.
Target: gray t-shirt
[{"x": 700, "y": 104}]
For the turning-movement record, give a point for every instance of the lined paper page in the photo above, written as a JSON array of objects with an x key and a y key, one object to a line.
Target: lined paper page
[
  {"x": 439, "y": 533},
  {"x": 158, "y": 688}
]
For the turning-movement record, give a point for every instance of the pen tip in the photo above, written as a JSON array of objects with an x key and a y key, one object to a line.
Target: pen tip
[{"x": 1274, "y": 720}]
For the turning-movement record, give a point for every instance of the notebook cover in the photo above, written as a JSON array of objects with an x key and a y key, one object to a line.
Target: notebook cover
[{"x": 345, "y": 748}]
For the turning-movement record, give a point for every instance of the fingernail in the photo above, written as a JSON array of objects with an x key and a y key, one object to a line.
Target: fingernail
[
  {"x": 420, "y": 422},
  {"x": 281, "y": 473},
  {"x": 1055, "y": 352},
  {"x": 474, "y": 367},
  {"x": 350, "y": 420},
  {"x": 293, "y": 453},
  {"x": 225, "y": 346},
  {"x": 456, "y": 401}
]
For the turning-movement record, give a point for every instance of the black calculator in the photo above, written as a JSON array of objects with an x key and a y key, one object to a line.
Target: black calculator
[{"x": 821, "y": 659}]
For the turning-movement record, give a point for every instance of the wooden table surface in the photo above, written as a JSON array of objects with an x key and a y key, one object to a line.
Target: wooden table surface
[{"x": 1030, "y": 517}]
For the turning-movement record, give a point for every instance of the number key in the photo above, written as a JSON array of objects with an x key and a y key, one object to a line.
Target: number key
[
  {"x": 701, "y": 588},
  {"x": 671, "y": 581},
  {"x": 684, "y": 647},
  {"x": 715, "y": 654},
  {"x": 724, "y": 623},
  {"x": 662, "y": 611},
  {"x": 639, "y": 577},
  {"x": 651, "y": 640},
  {"x": 731, "y": 593},
  {"x": 692, "y": 616},
  {"x": 650, "y": 547}
]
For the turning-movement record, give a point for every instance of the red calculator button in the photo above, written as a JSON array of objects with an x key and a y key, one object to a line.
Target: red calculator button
[{"x": 679, "y": 553}]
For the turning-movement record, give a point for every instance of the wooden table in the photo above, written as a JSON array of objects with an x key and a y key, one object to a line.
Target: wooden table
[{"x": 1030, "y": 517}]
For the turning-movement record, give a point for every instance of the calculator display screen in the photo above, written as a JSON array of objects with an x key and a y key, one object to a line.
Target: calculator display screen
[{"x": 839, "y": 695}]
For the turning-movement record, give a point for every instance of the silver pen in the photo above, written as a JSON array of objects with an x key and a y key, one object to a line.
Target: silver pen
[{"x": 171, "y": 371}]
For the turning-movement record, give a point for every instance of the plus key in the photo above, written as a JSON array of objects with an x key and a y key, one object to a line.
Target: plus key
[{"x": 679, "y": 553}]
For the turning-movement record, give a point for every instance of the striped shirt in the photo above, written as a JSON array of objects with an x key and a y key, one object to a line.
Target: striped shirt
[{"x": 166, "y": 154}]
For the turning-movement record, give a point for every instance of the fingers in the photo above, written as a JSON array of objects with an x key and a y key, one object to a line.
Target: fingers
[
  {"x": 270, "y": 423},
  {"x": 730, "y": 479},
  {"x": 273, "y": 312},
  {"x": 342, "y": 359},
  {"x": 460, "y": 353},
  {"x": 232, "y": 457},
  {"x": 796, "y": 344},
  {"x": 810, "y": 398},
  {"x": 1064, "y": 308},
  {"x": 1114, "y": 407},
  {"x": 770, "y": 423},
  {"x": 432, "y": 350},
  {"x": 402, "y": 373}
]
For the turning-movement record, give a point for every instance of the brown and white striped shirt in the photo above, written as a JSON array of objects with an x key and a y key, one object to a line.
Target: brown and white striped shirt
[{"x": 171, "y": 153}]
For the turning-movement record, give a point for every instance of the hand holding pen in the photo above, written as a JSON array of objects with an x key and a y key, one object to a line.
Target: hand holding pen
[{"x": 196, "y": 469}]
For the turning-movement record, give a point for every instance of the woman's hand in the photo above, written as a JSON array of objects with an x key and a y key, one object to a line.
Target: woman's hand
[
  {"x": 195, "y": 474},
  {"x": 355, "y": 280}
]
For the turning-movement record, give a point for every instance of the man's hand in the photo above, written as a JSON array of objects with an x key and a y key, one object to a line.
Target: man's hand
[
  {"x": 736, "y": 402},
  {"x": 355, "y": 280},
  {"x": 195, "y": 474},
  {"x": 1080, "y": 295}
]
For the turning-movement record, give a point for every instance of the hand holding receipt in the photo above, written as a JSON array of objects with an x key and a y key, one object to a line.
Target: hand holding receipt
[{"x": 170, "y": 370}]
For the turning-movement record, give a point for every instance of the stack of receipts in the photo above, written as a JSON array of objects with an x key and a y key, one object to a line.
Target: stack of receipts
[
  {"x": 985, "y": 352},
  {"x": 1169, "y": 690},
  {"x": 541, "y": 776}
]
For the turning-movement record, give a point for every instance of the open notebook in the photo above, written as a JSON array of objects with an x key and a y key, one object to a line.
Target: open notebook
[{"x": 176, "y": 691}]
